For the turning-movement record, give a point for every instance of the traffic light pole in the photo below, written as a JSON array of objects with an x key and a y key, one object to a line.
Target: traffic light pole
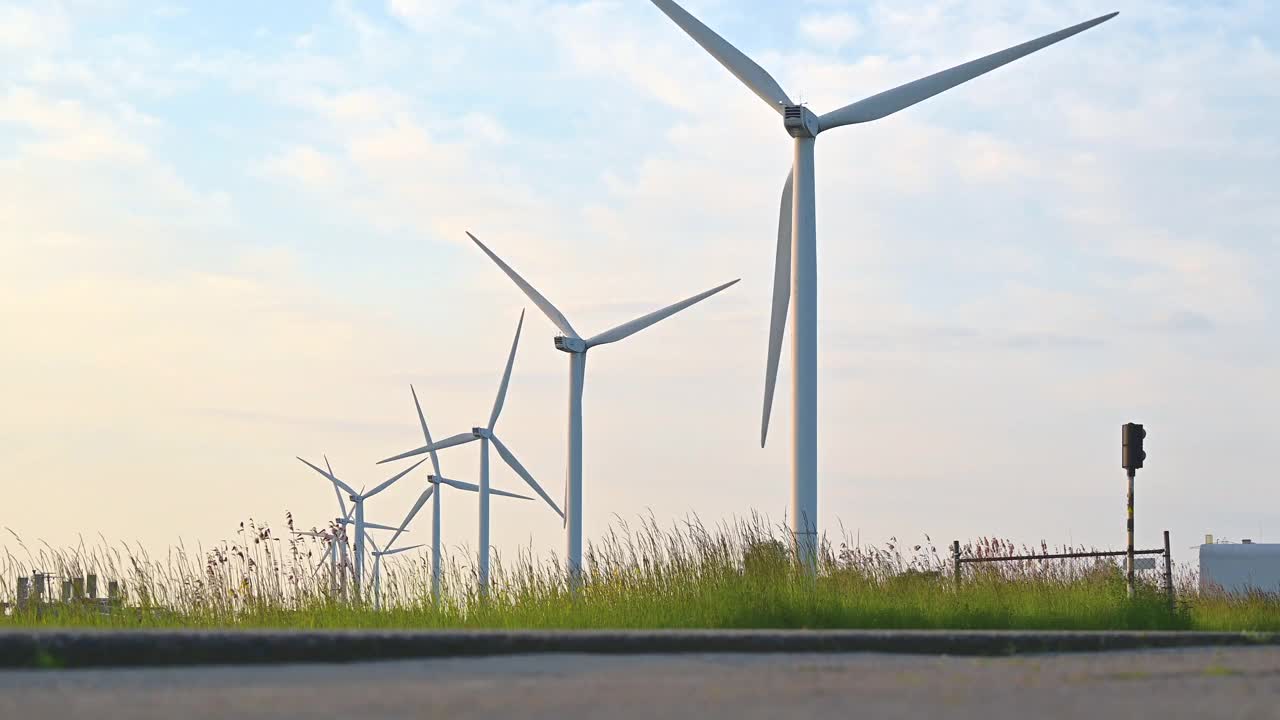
[
  {"x": 1132, "y": 456},
  {"x": 1132, "y": 474}
]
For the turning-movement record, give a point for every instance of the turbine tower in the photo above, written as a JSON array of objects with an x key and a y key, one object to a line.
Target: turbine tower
[
  {"x": 796, "y": 268},
  {"x": 576, "y": 347},
  {"x": 358, "y": 499},
  {"x": 486, "y": 435}
]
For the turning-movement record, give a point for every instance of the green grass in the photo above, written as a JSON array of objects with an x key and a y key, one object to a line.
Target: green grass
[{"x": 734, "y": 576}]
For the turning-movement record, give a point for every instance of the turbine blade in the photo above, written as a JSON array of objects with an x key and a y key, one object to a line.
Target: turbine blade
[
  {"x": 397, "y": 551},
  {"x": 331, "y": 477},
  {"x": 904, "y": 96},
  {"x": 459, "y": 484},
  {"x": 504, "y": 493},
  {"x": 376, "y": 526},
  {"x": 626, "y": 330},
  {"x": 369, "y": 539},
  {"x": 553, "y": 314},
  {"x": 341, "y": 504},
  {"x": 506, "y": 377},
  {"x": 417, "y": 507},
  {"x": 742, "y": 67},
  {"x": 454, "y": 441},
  {"x": 426, "y": 434},
  {"x": 393, "y": 480},
  {"x": 781, "y": 303},
  {"x": 511, "y": 460}
]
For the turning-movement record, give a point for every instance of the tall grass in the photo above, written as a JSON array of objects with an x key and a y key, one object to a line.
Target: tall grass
[{"x": 737, "y": 574}]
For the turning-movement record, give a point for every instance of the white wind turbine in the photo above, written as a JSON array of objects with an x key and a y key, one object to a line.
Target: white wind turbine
[
  {"x": 378, "y": 554},
  {"x": 334, "y": 540},
  {"x": 486, "y": 435},
  {"x": 796, "y": 269},
  {"x": 576, "y": 347},
  {"x": 431, "y": 492},
  {"x": 358, "y": 499}
]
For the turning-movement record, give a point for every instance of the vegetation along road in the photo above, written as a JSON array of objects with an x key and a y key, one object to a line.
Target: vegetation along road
[{"x": 1193, "y": 683}]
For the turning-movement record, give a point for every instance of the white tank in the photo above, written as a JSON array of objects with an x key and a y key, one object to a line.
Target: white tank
[{"x": 1238, "y": 569}]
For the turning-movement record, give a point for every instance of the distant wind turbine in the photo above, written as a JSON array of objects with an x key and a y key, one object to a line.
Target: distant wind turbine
[
  {"x": 486, "y": 435},
  {"x": 796, "y": 269},
  {"x": 576, "y": 347},
  {"x": 431, "y": 493},
  {"x": 378, "y": 554},
  {"x": 358, "y": 499}
]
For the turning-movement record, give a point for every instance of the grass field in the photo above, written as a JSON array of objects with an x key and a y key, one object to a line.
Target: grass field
[{"x": 737, "y": 575}]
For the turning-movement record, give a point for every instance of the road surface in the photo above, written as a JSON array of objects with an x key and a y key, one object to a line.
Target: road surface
[{"x": 1194, "y": 683}]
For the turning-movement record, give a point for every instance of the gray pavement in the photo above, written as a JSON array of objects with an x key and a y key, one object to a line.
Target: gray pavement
[{"x": 1181, "y": 683}]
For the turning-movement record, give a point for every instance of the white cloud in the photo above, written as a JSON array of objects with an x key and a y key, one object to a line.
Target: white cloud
[
  {"x": 421, "y": 14},
  {"x": 834, "y": 30},
  {"x": 28, "y": 30},
  {"x": 302, "y": 164}
]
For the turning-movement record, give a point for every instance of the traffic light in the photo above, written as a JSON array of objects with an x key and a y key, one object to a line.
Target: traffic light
[{"x": 1132, "y": 435}]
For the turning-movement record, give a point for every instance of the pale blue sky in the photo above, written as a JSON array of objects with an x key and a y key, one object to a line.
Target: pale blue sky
[{"x": 232, "y": 233}]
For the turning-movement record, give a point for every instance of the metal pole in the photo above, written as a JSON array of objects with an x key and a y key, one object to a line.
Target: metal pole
[
  {"x": 955, "y": 563},
  {"x": 1168, "y": 573},
  {"x": 482, "y": 566},
  {"x": 573, "y": 474},
  {"x": 804, "y": 358},
  {"x": 1132, "y": 474}
]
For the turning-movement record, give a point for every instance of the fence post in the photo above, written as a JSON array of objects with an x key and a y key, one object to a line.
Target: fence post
[
  {"x": 91, "y": 586},
  {"x": 24, "y": 592},
  {"x": 1168, "y": 573},
  {"x": 955, "y": 563}
]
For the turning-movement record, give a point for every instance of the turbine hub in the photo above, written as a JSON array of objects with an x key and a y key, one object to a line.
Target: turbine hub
[
  {"x": 482, "y": 433},
  {"x": 800, "y": 122},
  {"x": 571, "y": 345}
]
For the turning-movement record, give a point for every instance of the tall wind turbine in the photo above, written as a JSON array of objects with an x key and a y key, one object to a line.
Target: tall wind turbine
[
  {"x": 487, "y": 435},
  {"x": 796, "y": 269},
  {"x": 358, "y": 499},
  {"x": 576, "y": 347}
]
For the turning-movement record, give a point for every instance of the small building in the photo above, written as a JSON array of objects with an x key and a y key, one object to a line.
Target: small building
[{"x": 1240, "y": 568}]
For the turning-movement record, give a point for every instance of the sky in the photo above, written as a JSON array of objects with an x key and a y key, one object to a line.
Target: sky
[{"x": 233, "y": 233}]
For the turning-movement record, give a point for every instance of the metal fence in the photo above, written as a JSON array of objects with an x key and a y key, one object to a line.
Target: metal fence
[{"x": 958, "y": 561}]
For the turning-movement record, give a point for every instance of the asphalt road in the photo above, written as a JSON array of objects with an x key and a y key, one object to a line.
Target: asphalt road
[{"x": 1195, "y": 683}]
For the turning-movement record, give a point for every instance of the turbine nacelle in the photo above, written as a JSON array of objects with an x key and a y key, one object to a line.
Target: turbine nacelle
[
  {"x": 482, "y": 433},
  {"x": 571, "y": 345},
  {"x": 801, "y": 122}
]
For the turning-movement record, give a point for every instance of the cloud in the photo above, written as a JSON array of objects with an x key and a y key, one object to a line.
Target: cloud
[
  {"x": 833, "y": 31},
  {"x": 421, "y": 14},
  {"x": 302, "y": 164}
]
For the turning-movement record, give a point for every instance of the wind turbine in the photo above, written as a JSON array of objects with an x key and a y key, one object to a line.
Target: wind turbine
[
  {"x": 378, "y": 554},
  {"x": 796, "y": 269},
  {"x": 576, "y": 347},
  {"x": 334, "y": 540},
  {"x": 487, "y": 435},
  {"x": 358, "y": 499},
  {"x": 431, "y": 493}
]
